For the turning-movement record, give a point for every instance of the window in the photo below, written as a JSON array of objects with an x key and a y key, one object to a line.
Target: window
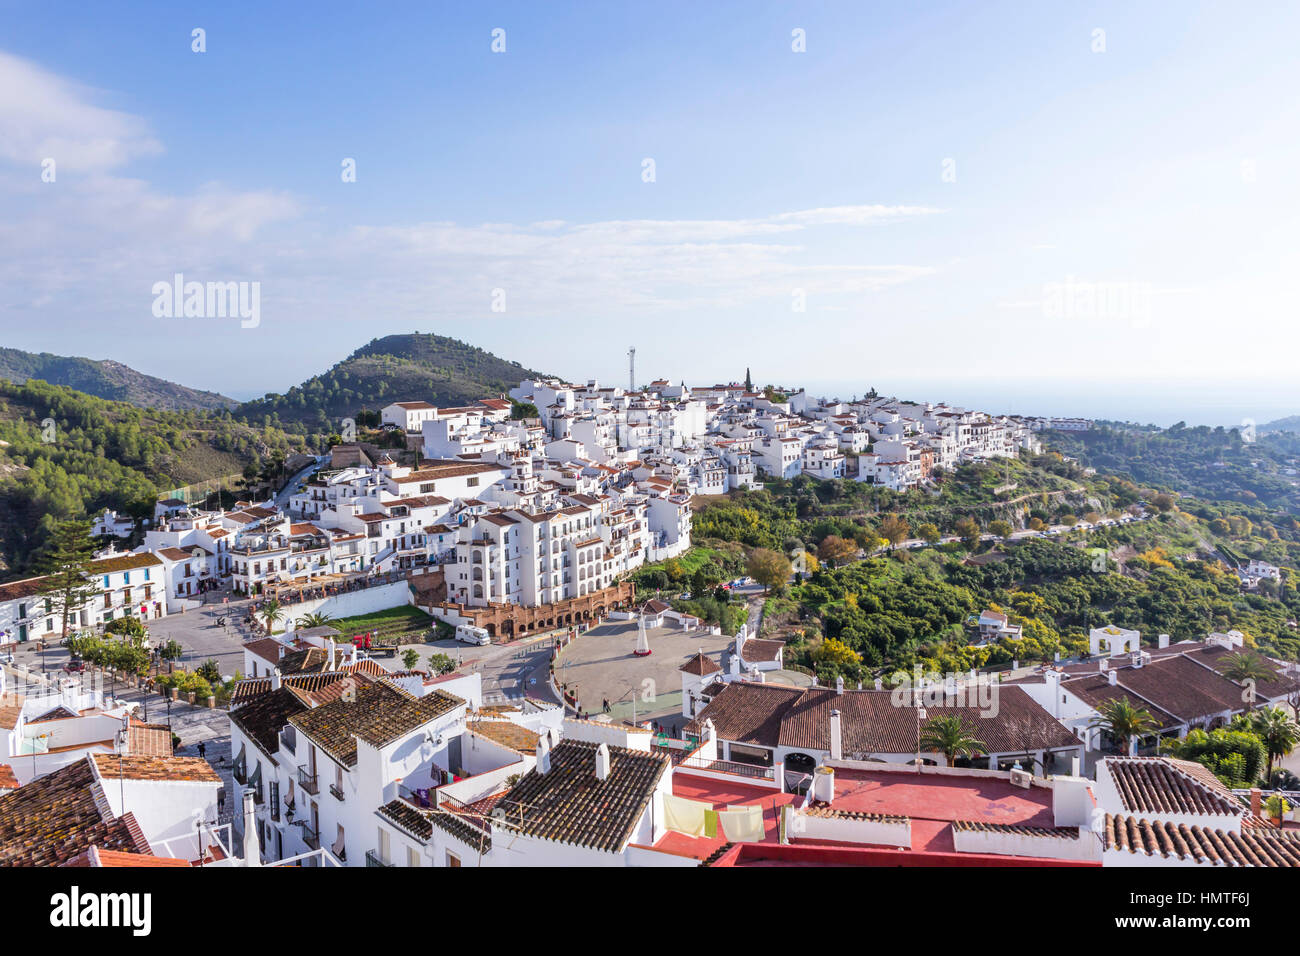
[
  {"x": 412, "y": 857},
  {"x": 452, "y": 859}
]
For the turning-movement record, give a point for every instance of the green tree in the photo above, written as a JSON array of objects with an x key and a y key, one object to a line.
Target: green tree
[
  {"x": 315, "y": 619},
  {"x": 67, "y": 584},
  {"x": 929, "y": 533},
  {"x": 950, "y": 735},
  {"x": 410, "y": 657},
  {"x": 1000, "y": 528},
  {"x": 271, "y": 613},
  {"x": 441, "y": 664},
  {"x": 1277, "y": 731},
  {"x": 769, "y": 568},
  {"x": 1124, "y": 722}
]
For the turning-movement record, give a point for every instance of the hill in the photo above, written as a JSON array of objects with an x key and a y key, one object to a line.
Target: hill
[
  {"x": 65, "y": 454},
  {"x": 416, "y": 367},
  {"x": 106, "y": 379}
]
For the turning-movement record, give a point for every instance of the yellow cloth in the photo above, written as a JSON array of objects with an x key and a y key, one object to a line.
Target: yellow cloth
[
  {"x": 742, "y": 824},
  {"x": 710, "y": 823},
  {"x": 685, "y": 816}
]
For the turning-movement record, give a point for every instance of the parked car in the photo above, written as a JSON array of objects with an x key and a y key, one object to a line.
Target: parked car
[{"x": 74, "y": 666}]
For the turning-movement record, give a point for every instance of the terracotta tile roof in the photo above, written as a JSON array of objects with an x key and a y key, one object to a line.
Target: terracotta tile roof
[
  {"x": 1064, "y": 833},
  {"x": 1182, "y": 687},
  {"x": 311, "y": 660},
  {"x": 700, "y": 664},
  {"x": 770, "y": 715},
  {"x": 1164, "y": 785},
  {"x": 570, "y": 805},
  {"x": 1217, "y": 658},
  {"x": 758, "y": 651},
  {"x": 419, "y": 823},
  {"x": 267, "y": 648},
  {"x": 134, "y": 767},
  {"x": 123, "y": 562},
  {"x": 149, "y": 740},
  {"x": 94, "y": 856},
  {"x": 263, "y": 717},
  {"x": 55, "y": 817},
  {"x": 1251, "y": 847},
  {"x": 309, "y": 688},
  {"x": 1095, "y": 691},
  {"x": 11, "y": 708},
  {"x": 27, "y": 587},
  {"x": 377, "y": 714},
  {"x": 507, "y": 733},
  {"x": 7, "y": 779}
]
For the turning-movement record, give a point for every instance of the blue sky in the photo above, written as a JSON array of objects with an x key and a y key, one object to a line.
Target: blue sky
[{"x": 1157, "y": 175}]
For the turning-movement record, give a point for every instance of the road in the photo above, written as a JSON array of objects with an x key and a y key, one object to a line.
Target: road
[{"x": 291, "y": 486}]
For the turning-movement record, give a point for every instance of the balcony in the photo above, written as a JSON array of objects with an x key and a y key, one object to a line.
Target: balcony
[
  {"x": 372, "y": 859},
  {"x": 307, "y": 781},
  {"x": 337, "y": 791},
  {"x": 310, "y": 837}
]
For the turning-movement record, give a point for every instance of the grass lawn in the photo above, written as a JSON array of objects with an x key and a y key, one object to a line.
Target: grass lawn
[{"x": 405, "y": 617}]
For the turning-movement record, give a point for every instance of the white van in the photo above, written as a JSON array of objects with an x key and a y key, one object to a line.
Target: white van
[{"x": 469, "y": 634}]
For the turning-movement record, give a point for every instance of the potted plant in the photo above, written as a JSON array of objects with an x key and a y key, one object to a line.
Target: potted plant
[{"x": 1277, "y": 808}]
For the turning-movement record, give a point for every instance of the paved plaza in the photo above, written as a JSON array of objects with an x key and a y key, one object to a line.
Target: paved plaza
[{"x": 600, "y": 666}]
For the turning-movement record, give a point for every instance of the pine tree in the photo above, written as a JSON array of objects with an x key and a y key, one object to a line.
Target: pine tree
[
  {"x": 66, "y": 565},
  {"x": 749, "y": 382}
]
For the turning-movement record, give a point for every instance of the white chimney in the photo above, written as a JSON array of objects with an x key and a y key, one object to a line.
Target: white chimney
[
  {"x": 1136, "y": 658},
  {"x": 1163, "y": 640},
  {"x": 275, "y": 678},
  {"x": 252, "y": 852},
  {"x": 1113, "y": 677},
  {"x": 329, "y": 646},
  {"x": 602, "y": 762},
  {"x": 1103, "y": 665},
  {"x": 837, "y": 750},
  {"x": 839, "y": 685},
  {"x": 544, "y": 754}
]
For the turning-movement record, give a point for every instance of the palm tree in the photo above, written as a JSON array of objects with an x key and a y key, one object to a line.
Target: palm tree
[
  {"x": 1124, "y": 722},
  {"x": 271, "y": 612},
  {"x": 1278, "y": 732},
  {"x": 315, "y": 619},
  {"x": 1247, "y": 668},
  {"x": 950, "y": 736}
]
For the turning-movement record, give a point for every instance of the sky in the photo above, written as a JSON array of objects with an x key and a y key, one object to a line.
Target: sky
[{"x": 1066, "y": 209}]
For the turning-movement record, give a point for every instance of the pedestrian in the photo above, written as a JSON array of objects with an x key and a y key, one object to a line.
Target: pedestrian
[{"x": 203, "y": 749}]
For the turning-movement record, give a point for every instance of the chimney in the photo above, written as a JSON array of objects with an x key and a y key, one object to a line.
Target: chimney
[
  {"x": 252, "y": 852},
  {"x": 544, "y": 754},
  {"x": 1136, "y": 658},
  {"x": 1163, "y": 640},
  {"x": 837, "y": 749},
  {"x": 602, "y": 762},
  {"x": 880, "y": 684},
  {"x": 1113, "y": 677},
  {"x": 1256, "y": 807},
  {"x": 1103, "y": 665},
  {"x": 839, "y": 685},
  {"x": 275, "y": 678},
  {"x": 329, "y": 646}
]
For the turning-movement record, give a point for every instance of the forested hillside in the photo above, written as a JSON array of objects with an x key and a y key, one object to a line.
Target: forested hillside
[
  {"x": 415, "y": 367},
  {"x": 107, "y": 379},
  {"x": 67, "y": 454}
]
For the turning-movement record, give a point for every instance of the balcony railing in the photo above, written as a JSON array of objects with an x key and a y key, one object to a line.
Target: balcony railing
[
  {"x": 307, "y": 781},
  {"x": 310, "y": 837},
  {"x": 337, "y": 791},
  {"x": 373, "y": 859},
  {"x": 752, "y": 771}
]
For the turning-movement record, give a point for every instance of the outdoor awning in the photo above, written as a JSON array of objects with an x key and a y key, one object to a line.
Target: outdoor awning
[
  {"x": 240, "y": 765},
  {"x": 255, "y": 781}
]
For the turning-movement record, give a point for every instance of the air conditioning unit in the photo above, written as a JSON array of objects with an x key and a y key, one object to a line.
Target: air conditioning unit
[{"x": 1022, "y": 778}]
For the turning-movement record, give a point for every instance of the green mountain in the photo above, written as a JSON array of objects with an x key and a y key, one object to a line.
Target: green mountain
[
  {"x": 395, "y": 368},
  {"x": 107, "y": 379}
]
